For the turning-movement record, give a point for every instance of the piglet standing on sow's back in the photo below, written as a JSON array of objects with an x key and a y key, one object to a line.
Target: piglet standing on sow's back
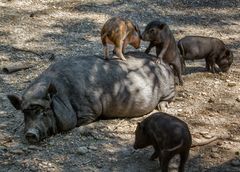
[
  {"x": 168, "y": 135},
  {"x": 120, "y": 32},
  {"x": 213, "y": 50},
  {"x": 160, "y": 36}
]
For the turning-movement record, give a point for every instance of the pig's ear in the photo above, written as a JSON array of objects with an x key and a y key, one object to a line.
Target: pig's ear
[
  {"x": 227, "y": 52},
  {"x": 52, "y": 89},
  {"x": 15, "y": 100},
  {"x": 161, "y": 26},
  {"x": 136, "y": 27},
  {"x": 66, "y": 118},
  {"x": 141, "y": 126}
]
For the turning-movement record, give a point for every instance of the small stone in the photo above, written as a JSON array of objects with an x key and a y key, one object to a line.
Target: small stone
[
  {"x": 2, "y": 126},
  {"x": 214, "y": 149},
  {"x": 82, "y": 150},
  {"x": 231, "y": 84},
  {"x": 2, "y": 58},
  {"x": 99, "y": 165},
  {"x": 211, "y": 100},
  {"x": 33, "y": 147},
  {"x": 238, "y": 99},
  {"x": 235, "y": 162},
  {"x": 3, "y": 147},
  {"x": 17, "y": 151},
  {"x": 214, "y": 155},
  {"x": 92, "y": 148}
]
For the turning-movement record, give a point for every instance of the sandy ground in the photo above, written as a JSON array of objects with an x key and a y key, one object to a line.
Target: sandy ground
[{"x": 39, "y": 30}]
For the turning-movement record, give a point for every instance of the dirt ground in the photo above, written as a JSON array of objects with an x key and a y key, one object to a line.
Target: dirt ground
[{"x": 37, "y": 31}]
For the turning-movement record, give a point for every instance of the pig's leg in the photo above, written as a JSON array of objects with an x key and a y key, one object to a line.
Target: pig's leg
[
  {"x": 125, "y": 44},
  {"x": 105, "y": 49},
  {"x": 150, "y": 46},
  {"x": 164, "y": 160},
  {"x": 177, "y": 68},
  {"x": 84, "y": 118},
  {"x": 156, "y": 152},
  {"x": 118, "y": 49},
  {"x": 207, "y": 64},
  {"x": 158, "y": 51},
  {"x": 211, "y": 62},
  {"x": 183, "y": 159},
  {"x": 162, "y": 106}
]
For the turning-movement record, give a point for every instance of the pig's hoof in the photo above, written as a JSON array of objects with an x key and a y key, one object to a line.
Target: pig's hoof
[
  {"x": 157, "y": 61},
  {"x": 163, "y": 106}
]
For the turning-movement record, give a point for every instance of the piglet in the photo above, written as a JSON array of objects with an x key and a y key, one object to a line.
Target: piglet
[
  {"x": 120, "y": 32},
  {"x": 168, "y": 135}
]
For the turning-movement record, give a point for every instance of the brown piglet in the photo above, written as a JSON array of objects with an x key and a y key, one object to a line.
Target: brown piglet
[{"x": 120, "y": 32}]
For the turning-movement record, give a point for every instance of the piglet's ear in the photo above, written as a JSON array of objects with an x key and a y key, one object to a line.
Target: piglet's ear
[
  {"x": 15, "y": 100},
  {"x": 140, "y": 125},
  {"x": 227, "y": 52},
  {"x": 161, "y": 26}
]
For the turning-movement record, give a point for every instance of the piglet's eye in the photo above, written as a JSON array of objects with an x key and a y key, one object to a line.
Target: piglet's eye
[{"x": 151, "y": 30}]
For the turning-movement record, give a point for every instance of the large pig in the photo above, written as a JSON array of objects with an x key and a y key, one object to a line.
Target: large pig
[
  {"x": 78, "y": 91},
  {"x": 213, "y": 50}
]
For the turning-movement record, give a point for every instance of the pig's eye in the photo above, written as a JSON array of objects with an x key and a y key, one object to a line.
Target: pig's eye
[{"x": 151, "y": 30}]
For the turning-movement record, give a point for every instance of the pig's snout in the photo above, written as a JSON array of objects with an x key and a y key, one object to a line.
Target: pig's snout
[{"x": 32, "y": 135}]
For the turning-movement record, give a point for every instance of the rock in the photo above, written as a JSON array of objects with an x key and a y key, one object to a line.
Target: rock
[
  {"x": 16, "y": 151},
  {"x": 2, "y": 58},
  {"x": 3, "y": 148},
  {"x": 214, "y": 149},
  {"x": 33, "y": 147},
  {"x": 214, "y": 155},
  {"x": 232, "y": 84},
  {"x": 235, "y": 162},
  {"x": 2, "y": 126},
  {"x": 238, "y": 99},
  {"x": 93, "y": 148},
  {"x": 211, "y": 100},
  {"x": 82, "y": 150}
]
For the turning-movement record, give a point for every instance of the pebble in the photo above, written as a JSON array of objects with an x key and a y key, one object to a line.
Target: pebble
[
  {"x": 235, "y": 162},
  {"x": 2, "y": 126},
  {"x": 211, "y": 100},
  {"x": 232, "y": 84},
  {"x": 214, "y": 149},
  {"x": 238, "y": 99},
  {"x": 16, "y": 151},
  {"x": 82, "y": 150},
  {"x": 214, "y": 155},
  {"x": 93, "y": 148},
  {"x": 33, "y": 147},
  {"x": 2, "y": 58}
]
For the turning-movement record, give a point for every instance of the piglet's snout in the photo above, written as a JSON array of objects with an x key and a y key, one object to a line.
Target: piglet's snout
[{"x": 32, "y": 135}]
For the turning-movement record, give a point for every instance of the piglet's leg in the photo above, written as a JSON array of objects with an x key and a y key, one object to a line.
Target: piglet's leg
[
  {"x": 156, "y": 152},
  {"x": 150, "y": 46},
  {"x": 125, "y": 44},
  {"x": 164, "y": 160},
  {"x": 105, "y": 48},
  {"x": 118, "y": 49},
  {"x": 183, "y": 159}
]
